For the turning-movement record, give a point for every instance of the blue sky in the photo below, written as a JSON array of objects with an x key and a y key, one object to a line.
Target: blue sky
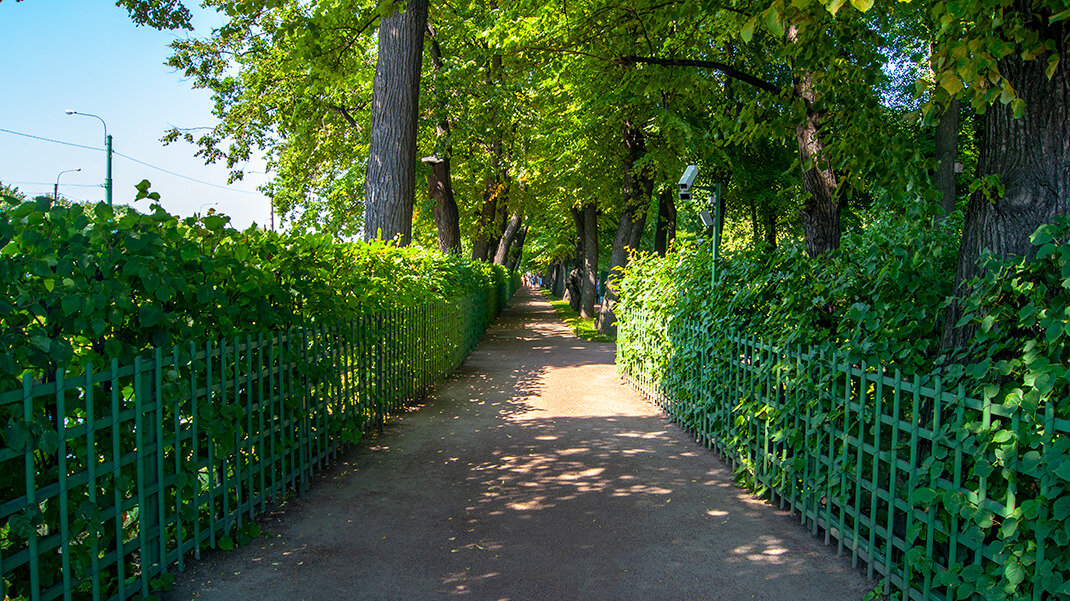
[{"x": 87, "y": 55}]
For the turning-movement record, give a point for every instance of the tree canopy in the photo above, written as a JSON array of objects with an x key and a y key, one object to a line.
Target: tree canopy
[{"x": 805, "y": 113}]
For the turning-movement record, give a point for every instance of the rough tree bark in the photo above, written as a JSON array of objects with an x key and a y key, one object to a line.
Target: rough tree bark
[
  {"x": 516, "y": 249},
  {"x": 574, "y": 276},
  {"x": 439, "y": 181},
  {"x": 1031, "y": 156},
  {"x": 390, "y": 185},
  {"x": 820, "y": 215},
  {"x": 501, "y": 219},
  {"x": 511, "y": 230},
  {"x": 665, "y": 229},
  {"x": 947, "y": 152},
  {"x": 485, "y": 220},
  {"x": 589, "y": 273},
  {"x": 638, "y": 188},
  {"x": 558, "y": 285},
  {"x": 447, "y": 218}
]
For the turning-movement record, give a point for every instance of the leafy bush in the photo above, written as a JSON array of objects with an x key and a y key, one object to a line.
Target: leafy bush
[
  {"x": 85, "y": 284},
  {"x": 272, "y": 351},
  {"x": 853, "y": 299},
  {"x": 990, "y": 477}
]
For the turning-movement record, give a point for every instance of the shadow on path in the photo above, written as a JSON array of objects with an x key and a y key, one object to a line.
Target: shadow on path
[{"x": 533, "y": 473}]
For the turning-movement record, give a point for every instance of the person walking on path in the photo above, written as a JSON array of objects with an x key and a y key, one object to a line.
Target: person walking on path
[{"x": 533, "y": 473}]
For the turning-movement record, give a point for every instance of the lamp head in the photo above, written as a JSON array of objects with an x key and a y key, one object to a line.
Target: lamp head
[
  {"x": 689, "y": 178},
  {"x": 70, "y": 111}
]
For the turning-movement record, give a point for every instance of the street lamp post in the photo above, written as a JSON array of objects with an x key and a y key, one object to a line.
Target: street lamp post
[
  {"x": 55, "y": 191},
  {"x": 107, "y": 149},
  {"x": 711, "y": 222}
]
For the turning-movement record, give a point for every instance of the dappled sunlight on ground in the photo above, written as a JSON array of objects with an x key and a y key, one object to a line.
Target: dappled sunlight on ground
[{"x": 533, "y": 474}]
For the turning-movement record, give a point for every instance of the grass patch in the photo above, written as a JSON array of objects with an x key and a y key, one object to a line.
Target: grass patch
[{"x": 583, "y": 328}]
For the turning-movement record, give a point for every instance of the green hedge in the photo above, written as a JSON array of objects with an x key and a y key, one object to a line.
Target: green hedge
[
  {"x": 823, "y": 382},
  {"x": 165, "y": 379},
  {"x": 84, "y": 284}
]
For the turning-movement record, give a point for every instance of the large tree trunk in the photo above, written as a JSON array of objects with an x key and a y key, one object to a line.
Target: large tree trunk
[
  {"x": 820, "y": 215},
  {"x": 447, "y": 219},
  {"x": 589, "y": 273},
  {"x": 501, "y": 218},
  {"x": 770, "y": 225},
  {"x": 574, "y": 277},
  {"x": 510, "y": 233},
  {"x": 390, "y": 185},
  {"x": 665, "y": 229},
  {"x": 638, "y": 188},
  {"x": 1031, "y": 156},
  {"x": 485, "y": 221},
  {"x": 516, "y": 249},
  {"x": 947, "y": 152},
  {"x": 439, "y": 181}
]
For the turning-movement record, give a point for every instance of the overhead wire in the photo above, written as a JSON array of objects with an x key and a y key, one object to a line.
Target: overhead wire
[
  {"x": 65, "y": 184},
  {"x": 44, "y": 139},
  {"x": 128, "y": 157}
]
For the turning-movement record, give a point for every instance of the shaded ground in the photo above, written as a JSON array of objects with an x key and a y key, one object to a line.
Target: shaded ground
[{"x": 532, "y": 474}]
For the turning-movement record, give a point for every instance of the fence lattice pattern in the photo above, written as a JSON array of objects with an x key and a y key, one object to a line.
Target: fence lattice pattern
[
  {"x": 122, "y": 472},
  {"x": 902, "y": 474}
]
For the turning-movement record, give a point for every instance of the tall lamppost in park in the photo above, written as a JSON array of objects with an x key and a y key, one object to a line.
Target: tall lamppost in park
[
  {"x": 55, "y": 191},
  {"x": 107, "y": 148}
]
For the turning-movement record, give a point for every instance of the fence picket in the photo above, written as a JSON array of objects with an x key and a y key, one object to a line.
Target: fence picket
[
  {"x": 838, "y": 444},
  {"x": 185, "y": 446}
]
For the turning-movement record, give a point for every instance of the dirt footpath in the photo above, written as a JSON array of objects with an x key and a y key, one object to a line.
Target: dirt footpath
[{"x": 532, "y": 474}]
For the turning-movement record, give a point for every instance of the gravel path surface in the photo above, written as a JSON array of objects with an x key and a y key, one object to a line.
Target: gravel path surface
[{"x": 533, "y": 473}]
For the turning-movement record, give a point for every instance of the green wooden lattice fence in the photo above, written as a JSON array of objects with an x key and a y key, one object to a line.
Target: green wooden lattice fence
[
  {"x": 112, "y": 476},
  {"x": 924, "y": 487}
]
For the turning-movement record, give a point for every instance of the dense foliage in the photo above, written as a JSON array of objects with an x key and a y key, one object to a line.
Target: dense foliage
[
  {"x": 852, "y": 298},
  {"x": 999, "y": 475},
  {"x": 153, "y": 364},
  {"x": 83, "y": 284}
]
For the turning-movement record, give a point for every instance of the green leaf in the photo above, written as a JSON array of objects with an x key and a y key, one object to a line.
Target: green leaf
[
  {"x": 922, "y": 496},
  {"x": 773, "y": 22},
  {"x": 1063, "y": 471},
  {"x": 1018, "y": 107},
  {"x": 1030, "y": 461},
  {"x": 150, "y": 315},
  {"x": 862, "y": 5},
  {"x": 1060, "y": 509},
  {"x": 41, "y": 342},
  {"x": 1009, "y": 527},
  {"x": 1060, "y": 16},
  {"x": 1002, "y": 436},
  {"x": 18, "y": 437},
  {"x": 225, "y": 542},
  {"x": 1053, "y": 62},
  {"x": 834, "y": 6},
  {"x": 1014, "y": 572},
  {"x": 747, "y": 32}
]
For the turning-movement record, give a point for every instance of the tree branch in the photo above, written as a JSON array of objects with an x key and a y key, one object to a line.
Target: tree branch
[
  {"x": 344, "y": 112},
  {"x": 728, "y": 70}
]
